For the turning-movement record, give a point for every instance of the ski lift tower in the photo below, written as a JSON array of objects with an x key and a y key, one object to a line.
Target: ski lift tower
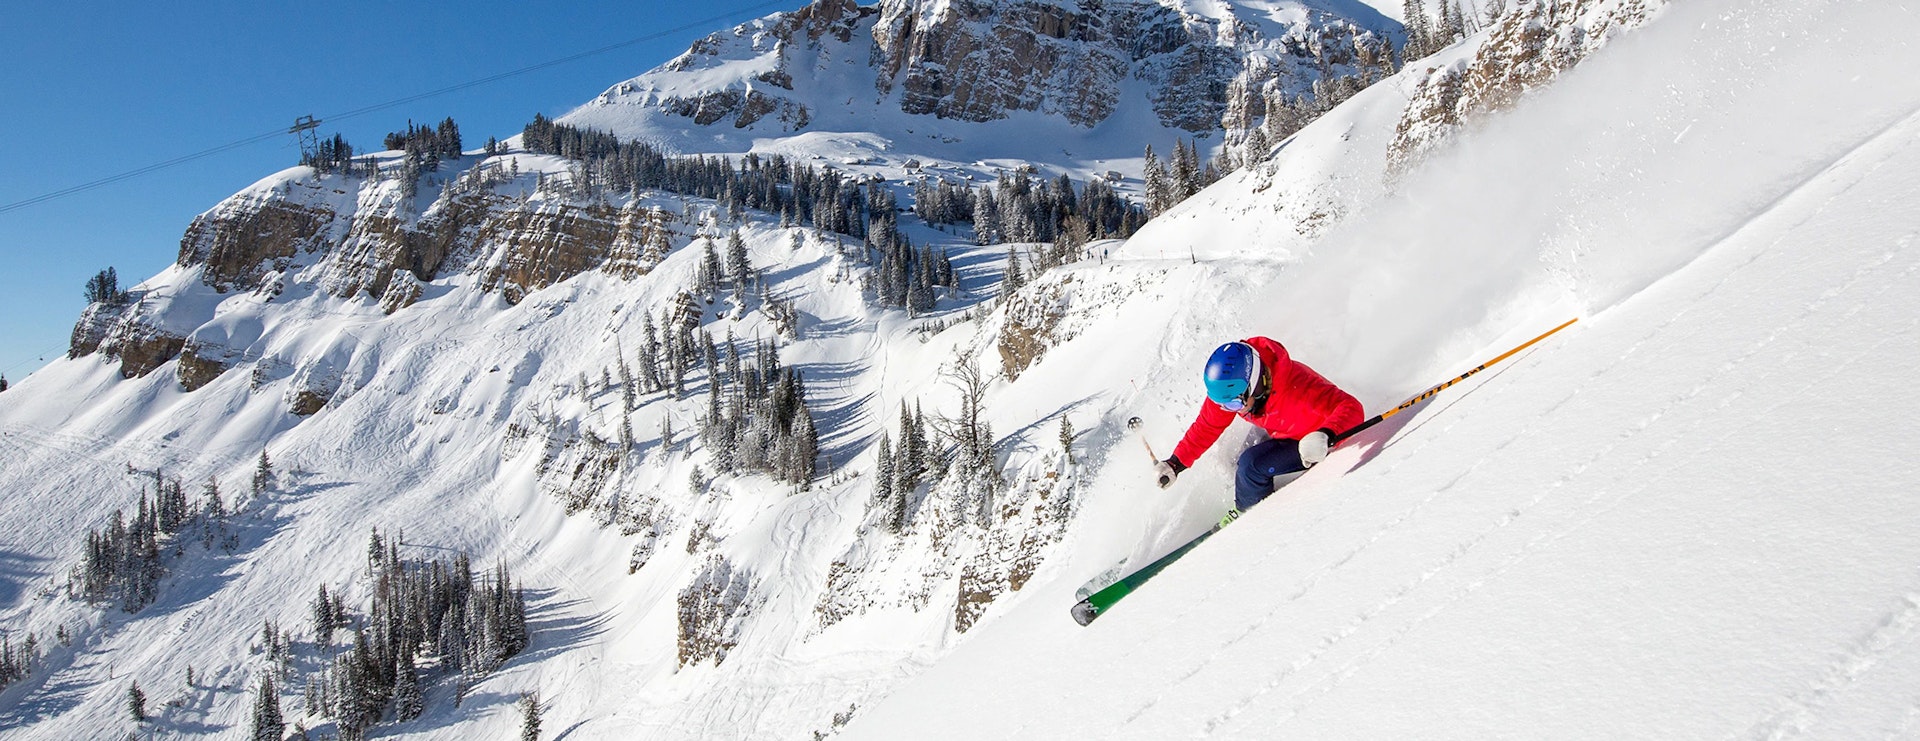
[{"x": 304, "y": 127}]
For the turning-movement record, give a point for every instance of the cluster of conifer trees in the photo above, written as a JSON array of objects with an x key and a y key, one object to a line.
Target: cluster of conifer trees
[
  {"x": 332, "y": 154},
  {"x": 124, "y": 561},
  {"x": 17, "y": 660},
  {"x": 801, "y": 194},
  {"x": 757, "y": 418},
  {"x": 1427, "y": 34},
  {"x": 956, "y": 452},
  {"x": 907, "y": 276},
  {"x": 1018, "y": 207},
  {"x": 104, "y": 288},
  {"x": 435, "y": 610},
  {"x": 429, "y": 144},
  {"x": 1169, "y": 185}
]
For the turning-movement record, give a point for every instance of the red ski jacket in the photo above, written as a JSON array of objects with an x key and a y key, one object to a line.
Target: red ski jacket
[{"x": 1298, "y": 401}]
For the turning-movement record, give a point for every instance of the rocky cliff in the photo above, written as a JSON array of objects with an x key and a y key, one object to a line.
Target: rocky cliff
[
  {"x": 1525, "y": 48},
  {"x": 987, "y": 60}
]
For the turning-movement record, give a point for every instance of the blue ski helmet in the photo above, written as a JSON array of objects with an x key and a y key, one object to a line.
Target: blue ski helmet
[{"x": 1231, "y": 375}]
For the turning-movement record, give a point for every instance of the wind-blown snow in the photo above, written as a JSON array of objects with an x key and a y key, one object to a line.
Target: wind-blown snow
[{"x": 1689, "y": 516}]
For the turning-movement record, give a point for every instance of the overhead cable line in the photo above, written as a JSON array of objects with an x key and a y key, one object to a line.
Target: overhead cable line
[{"x": 257, "y": 138}]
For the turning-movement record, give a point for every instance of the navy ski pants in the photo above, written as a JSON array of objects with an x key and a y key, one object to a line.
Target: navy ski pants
[{"x": 1260, "y": 465}]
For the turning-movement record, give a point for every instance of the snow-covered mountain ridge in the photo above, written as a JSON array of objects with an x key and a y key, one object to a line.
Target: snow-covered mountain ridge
[
  {"x": 837, "y": 66},
  {"x": 453, "y": 367}
]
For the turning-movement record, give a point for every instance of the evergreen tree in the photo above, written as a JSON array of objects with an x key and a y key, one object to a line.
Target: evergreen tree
[
  {"x": 804, "y": 448},
  {"x": 408, "y": 703},
  {"x": 649, "y": 359},
  {"x": 323, "y": 618},
  {"x": 104, "y": 288},
  {"x": 530, "y": 717},
  {"x": 1159, "y": 191},
  {"x": 883, "y": 483},
  {"x": 136, "y": 703},
  {"x": 738, "y": 268},
  {"x": 1415, "y": 13},
  {"x": 1012, "y": 280},
  {"x": 267, "y": 722},
  {"x": 1066, "y": 437},
  {"x": 986, "y": 218},
  {"x": 262, "y": 475},
  {"x": 1186, "y": 172},
  {"x": 907, "y": 460},
  {"x": 710, "y": 270}
]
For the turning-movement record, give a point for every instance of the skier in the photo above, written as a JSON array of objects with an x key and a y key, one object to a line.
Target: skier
[{"x": 1301, "y": 411}]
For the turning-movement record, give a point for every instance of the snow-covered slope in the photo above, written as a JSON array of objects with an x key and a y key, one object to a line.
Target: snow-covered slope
[
  {"x": 1684, "y": 516},
  {"x": 1689, "y": 516}
]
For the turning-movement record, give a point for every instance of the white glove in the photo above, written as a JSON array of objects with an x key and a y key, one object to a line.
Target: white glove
[
  {"x": 1167, "y": 474},
  {"x": 1313, "y": 448}
]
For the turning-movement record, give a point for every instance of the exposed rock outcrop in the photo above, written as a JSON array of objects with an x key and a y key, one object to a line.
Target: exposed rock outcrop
[
  {"x": 130, "y": 332},
  {"x": 92, "y": 328},
  {"x": 1526, "y": 48},
  {"x": 251, "y": 234},
  {"x": 141, "y": 347},
  {"x": 200, "y": 364},
  {"x": 530, "y": 249}
]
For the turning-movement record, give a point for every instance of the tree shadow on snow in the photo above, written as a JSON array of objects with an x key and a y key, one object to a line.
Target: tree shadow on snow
[
  {"x": 195, "y": 571},
  {"x": 554, "y": 625},
  {"x": 16, "y": 571}
]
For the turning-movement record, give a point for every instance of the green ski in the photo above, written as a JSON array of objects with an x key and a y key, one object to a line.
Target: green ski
[{"x": 1099, "y": 602}]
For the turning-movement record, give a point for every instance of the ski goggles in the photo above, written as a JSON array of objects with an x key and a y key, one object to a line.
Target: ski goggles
[{"x": 1231, "y": 394}]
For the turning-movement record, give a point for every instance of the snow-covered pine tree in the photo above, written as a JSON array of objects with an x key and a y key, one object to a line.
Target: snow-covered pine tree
[
  {"x": 711, "y": 272},
  {"x": 530, "y": 717},
  {"x": 709, "y": 355},
  {"x": 733, "y": 357},
  {"x": 1159, "y": 190},
  {"x": 739, "y": 270},
  {"x": 1012, "y": 280},
  {"x": 883, "y": 483},
  {"x": 323, "y": 618},
  {"x": 803, "y": 448},
  {"x": 408, "y": 703},
  {"x": 649, "y": 354},
  {"x": 986, "y": 217},
  {"x": 268, "y": 725},
  {"x": 1185, "y": 175}
]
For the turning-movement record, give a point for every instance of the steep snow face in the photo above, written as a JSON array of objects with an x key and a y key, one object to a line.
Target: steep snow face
[
  {"x": 1088, "y": 82},
  {"x": 1689, "y": 516}
]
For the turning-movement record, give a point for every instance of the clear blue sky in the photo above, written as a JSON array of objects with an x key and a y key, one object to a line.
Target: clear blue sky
[{"x": 94, "y": 89}]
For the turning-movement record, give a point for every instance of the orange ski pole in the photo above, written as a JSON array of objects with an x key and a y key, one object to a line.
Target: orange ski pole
[{"x": 1429, "y": 393}]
